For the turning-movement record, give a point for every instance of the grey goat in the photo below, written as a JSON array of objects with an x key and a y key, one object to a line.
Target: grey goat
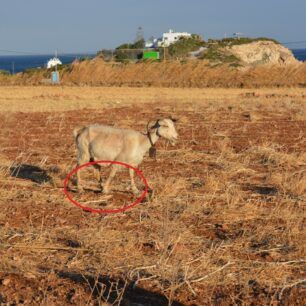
[{"x": 101, "y": 142}]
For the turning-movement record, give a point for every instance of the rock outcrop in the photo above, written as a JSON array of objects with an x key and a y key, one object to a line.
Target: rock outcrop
[{"x": 263, "y": 52}]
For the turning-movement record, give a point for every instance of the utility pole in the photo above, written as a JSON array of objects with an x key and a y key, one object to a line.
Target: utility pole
[
  {"x": 238, "y": 35},
  {"x": 56, "y": 58},
  {"x": 13, "y": 67},
  {"x": 139, "y": 34}
]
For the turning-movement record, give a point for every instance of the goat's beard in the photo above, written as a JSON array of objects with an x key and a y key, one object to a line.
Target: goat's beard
[{"x": 172, "y": 142}]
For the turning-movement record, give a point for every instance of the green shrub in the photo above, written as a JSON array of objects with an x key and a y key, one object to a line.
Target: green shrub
[
  {"x": 128, "y": 55},
  {"x": 140, "y": 44},
  {"x": 64, "y": 67},
  {"x": 239, "y": 41},
  {"x": 4, "y": 72},
  {"x": 185, "y": 45},
  {"x": 83, "y": 59},
  {"x": 121, "y": 56},
  {"x": 32, "y": 71},
  {"x": 216, "y": 54}
]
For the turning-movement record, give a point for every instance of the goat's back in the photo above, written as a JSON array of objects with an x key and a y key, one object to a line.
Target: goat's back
[{"x": 110, "y": 143}]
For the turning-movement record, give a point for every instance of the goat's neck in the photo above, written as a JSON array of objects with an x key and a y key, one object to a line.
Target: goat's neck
[
  {"x": 146, "y": 141},
  {"x": 153, "y": 136}
]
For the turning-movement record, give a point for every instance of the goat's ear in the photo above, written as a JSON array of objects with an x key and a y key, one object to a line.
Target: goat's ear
[{"x": 156, "y": 125}]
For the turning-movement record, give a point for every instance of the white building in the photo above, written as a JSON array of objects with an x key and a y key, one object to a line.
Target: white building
[
  {"x": 152, "y": 43},
  {"x": 172, "y": 37},
  {"x": 166, "y": 40},
  {"x": 53, "y": 62}
]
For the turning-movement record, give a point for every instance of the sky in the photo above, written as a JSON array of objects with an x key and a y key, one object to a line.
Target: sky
[{"x": 77, "y": 26}]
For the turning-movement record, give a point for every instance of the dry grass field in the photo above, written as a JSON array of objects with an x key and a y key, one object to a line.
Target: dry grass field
[
  {"x": 174, "y": 73},
  {"x": 224, "y": 225}
]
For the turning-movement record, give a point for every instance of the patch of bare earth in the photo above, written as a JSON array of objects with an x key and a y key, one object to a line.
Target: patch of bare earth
[{"x": 223, "y": 226}]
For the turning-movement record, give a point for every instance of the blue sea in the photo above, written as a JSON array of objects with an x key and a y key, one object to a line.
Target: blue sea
[
  {"x": 300, "y": 54},
  {"x": 19, "y": 63}
]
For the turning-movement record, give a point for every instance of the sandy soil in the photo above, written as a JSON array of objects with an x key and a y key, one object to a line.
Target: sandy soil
[{"x": 223, "y": 226}]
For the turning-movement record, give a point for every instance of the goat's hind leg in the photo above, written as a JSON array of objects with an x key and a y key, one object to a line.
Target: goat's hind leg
[
  {"x": 82, "y": 159},
  {"x": 97, "y": 171},
  {"x": 79, "y": 180},
  {"x": 133, "y": 185}
]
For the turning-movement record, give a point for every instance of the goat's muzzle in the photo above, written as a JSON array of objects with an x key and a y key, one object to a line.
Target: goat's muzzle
[{"x": 173, "y": 141}]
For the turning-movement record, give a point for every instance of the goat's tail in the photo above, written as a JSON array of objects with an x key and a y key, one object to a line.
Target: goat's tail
[{"x": 77, "y": 132}]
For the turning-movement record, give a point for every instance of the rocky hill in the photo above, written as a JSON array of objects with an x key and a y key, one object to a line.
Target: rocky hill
[
  {"x": 226, "y": 63},
  {"x": 262, "y": 52},
  {"x": 246, "y": 52}
]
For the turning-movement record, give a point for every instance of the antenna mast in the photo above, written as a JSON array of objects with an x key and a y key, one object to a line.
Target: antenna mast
[{"x": 139, "y": 34}]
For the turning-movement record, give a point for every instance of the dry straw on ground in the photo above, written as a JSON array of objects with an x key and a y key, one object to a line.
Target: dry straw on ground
[{"x": 225, "y": 222}]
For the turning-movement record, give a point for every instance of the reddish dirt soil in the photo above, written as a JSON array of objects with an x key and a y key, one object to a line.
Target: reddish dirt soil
[{"x": 37, "y": 152}]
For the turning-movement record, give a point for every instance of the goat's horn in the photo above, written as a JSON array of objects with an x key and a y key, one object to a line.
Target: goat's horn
[{"x": 148, "y": 125}]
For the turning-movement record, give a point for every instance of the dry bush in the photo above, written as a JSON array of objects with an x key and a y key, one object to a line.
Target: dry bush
[
  {"x": 196, "y": 74},
  {"x": 291, "y": 183}
]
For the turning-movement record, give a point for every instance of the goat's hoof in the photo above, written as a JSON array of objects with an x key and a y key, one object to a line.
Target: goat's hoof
[
  {"x": 106, "y": 192},
  {"x": 135, "y": 191},
  {"x": 106, "y": 197},
  {"x": 150, "y": 193}
]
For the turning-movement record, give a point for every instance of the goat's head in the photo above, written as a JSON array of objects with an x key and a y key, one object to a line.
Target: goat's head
[{"x": 165, "y": 128}]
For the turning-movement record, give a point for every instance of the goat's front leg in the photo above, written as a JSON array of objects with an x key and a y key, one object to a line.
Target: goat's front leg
[
  {"x": 133, "y": 185},
  {"x": 79, "y": 181},
  {"x": 106, "y": 187}
]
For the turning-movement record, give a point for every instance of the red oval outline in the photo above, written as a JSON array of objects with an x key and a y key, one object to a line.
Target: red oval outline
[{"x": 105, "y": 211}]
